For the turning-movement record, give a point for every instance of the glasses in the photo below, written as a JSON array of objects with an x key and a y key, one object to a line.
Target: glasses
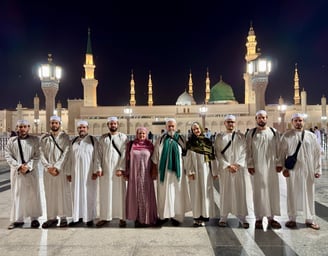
[{"x": 230, "y": 122}]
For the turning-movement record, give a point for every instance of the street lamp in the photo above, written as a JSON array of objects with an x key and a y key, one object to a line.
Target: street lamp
[
  {"x": 128, "y": 113},
  {"x": 282, "y": 112},
  {"x": 36, "y": 124},
  {"x": 259, "y": 69},
  {"x": 202, "y": 111},
  {"x": 50, "y": 75}
]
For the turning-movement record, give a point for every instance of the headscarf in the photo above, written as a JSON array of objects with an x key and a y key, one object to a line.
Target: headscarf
[{"x": 200, "y": 144}]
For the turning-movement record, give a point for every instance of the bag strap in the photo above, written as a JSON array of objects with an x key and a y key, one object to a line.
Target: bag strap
[
  {"x": 299, "y": 144},
  {"x": 114, "y": 145},
  {"x": 56, "y": 143},
  {"x": 20, "y": 150},
  {"x": 229, "y": 143}
]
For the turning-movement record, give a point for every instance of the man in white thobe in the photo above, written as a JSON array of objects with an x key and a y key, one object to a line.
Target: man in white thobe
[
  {"x": 262, "y": 153},
  {"x": 54, "y": 156},
  {"x": 173, "y": 199},
  {"x": 230, "y": 150},
  {"x": 300, "y": 180},
  {"x": 112, "y": 185},
  {"x": 23, "y": 154},
  {"x": 84, "y": 167}
]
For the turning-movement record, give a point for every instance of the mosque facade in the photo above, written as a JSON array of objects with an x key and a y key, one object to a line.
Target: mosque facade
[{"x": 219, "y": 101}]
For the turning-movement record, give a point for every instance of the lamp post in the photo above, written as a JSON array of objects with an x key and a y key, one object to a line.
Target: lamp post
[
  {"x": 49, "y": 75},
  {"x": 128, "y": 113},
  {"x": 36, "y": 124},
  {"x": 282, "y": 112},
  {"x": 259, "y": 69},
  {"x": 202, "y": 111}
]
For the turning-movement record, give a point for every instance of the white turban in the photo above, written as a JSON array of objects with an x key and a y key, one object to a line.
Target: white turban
[
  {"x": 297, "y": 115},
  {"x": 261, "y": 112},
  {"x": 82, "y": 122},
  {"x": 230, "y": 117},
  {"x": 55, "y": 118},
  {"x": 22, "y": 122},
  {"x": 112, "y": 118}
]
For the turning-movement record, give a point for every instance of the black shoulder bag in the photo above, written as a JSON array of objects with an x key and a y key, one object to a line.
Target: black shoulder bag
[{"x": 290, "y": 161}]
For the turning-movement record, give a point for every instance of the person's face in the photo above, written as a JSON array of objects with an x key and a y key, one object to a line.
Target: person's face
[
  {"x": 141, "y": 134},
  {"x": 298, "y": 123},
  {"x": 82, "y": 130},
  {"x": 170, "y": 127},
  {"x": 230, "y": 124},
  {"x": 23, "y": 129},
  {"x": 261, "y": 120},
  {"x": 196, "y": 129},
  {"x": 112, "y": 126},
  {"x": 54, "y": 125}
]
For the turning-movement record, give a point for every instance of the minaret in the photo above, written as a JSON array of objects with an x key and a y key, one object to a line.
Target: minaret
[
  {"x": 304, "y": 101},
  {"x": 19, "y": 109},
  {"x": 132, "y": 91},
  {"x": 251, "y": 54},
  {"x": 89, "y": 82},
  {"x": 297, "y": 99},
  {"x": 150, "y": 90},
  {"x": 59, "y": 109},
  {"x": 207, "y": 87},
  {"x": 190, "y": 91}
]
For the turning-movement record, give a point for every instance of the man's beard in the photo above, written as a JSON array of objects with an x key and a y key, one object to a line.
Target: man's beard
[
  {"x": 55, "y": 129},
  {"x": 262, "y": 124},
  {"x": 113, "y": 129},
  {"x": 298, "y": 126},
  {"x": 171, "y": 133}
]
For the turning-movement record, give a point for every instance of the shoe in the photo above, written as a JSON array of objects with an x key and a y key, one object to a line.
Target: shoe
[
  {"x": 101, "y": 223},
  {"x": 90, "y": 223},
  {"x": 175, "y": 222},
  {"x": 122, "y": 224},
  {"x": 73, "y": 224},
  {"x": 314, "y": 226},
  {"x": 274, "y": 224},
  {"x": 290, "y": 224},
  {"x": 222, "y": 224},
  {"x": 196, "y": 224},
  {"x": 63, "y": 223},
  {"x": 245, "y": 225},
  {"x": 35, "y": 224},
  {"x": 49, "y": 223},
  {"x": 161, "y": 222},
  {"x": 258, "y": 224},
  {"x": 16, "y": 225}
]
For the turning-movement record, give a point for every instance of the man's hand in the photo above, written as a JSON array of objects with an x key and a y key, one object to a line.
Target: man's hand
[
  {"x": 53, "y": 171},
  {"x": 278, "y": 168},
  {"x": 69, "y": 178},
  {"x": 286, "y": 173},
  {"x": 23, "y": 169},
  {"x": 251, "y": 171},
  {"x": 119, "y": 173},
  {"x": 191, "y": 176}
]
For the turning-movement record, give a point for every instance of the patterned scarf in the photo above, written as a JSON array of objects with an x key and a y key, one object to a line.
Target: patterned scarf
[
  {"x": 171, "y": 156},
  {"x": 201, "y": 145}
]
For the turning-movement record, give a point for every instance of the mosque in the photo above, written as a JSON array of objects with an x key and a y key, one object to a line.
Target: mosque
[{"x": 219, "y": 101}]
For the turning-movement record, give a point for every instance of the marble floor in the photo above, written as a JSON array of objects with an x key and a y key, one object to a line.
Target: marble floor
[{"x": 170, "y": 240}]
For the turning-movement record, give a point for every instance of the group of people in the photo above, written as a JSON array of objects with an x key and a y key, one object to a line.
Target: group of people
[{"x": 123, "y": 172}]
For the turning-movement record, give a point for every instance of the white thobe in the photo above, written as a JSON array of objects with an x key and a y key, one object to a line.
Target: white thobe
[
  {"x": 232, "y": 185},
  {"x": 300, "y": 184},
  {"x": 112, "y": 188},
  {"x": 262, "y": 154},
  {"x": 25, "y": 189},
  {"x": 57, "y": 188},
  {"x": 173, "y": 200},
  {"x": 201, "y": 188},
  {"x": 84, "y": 162}
]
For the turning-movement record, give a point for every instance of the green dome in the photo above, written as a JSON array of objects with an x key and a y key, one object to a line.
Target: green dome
[{"x": 221, "y": 92}]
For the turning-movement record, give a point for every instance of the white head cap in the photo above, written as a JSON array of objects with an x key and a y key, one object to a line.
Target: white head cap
[
  {"x": 230, "y": 117},
  {"x": 22, "y": 122},
  {"x": 112, "y": 118},
  {"x": 82, "y": 122},
  {"x": 55, "y": 118},
  {"x": 171, "y": 120},
  {"x": 261, "y": 112},
  {"x": 297, "y": 115}
]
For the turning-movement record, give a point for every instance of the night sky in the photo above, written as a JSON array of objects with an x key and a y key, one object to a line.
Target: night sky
[{"x": 168, "y": 38}]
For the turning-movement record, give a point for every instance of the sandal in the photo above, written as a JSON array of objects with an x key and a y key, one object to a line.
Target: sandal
[
  {"x": 63, "y": 223},
  {"x": 258, "y": 224},
  {"x": 35, "y": 224},
  {"x": 15, "y": 225},
  {"x": 101, "y": 223},
  {"x": 48, "y": 223},
  {"x": 122, "y": 224},
  {"x": 290, "y": 224},
  {"x": 222, "y": 224},
  {"x": 245, "y": 225},
  {"x": 314, "y": 226},
  {"x": 274, "y": 224}
]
